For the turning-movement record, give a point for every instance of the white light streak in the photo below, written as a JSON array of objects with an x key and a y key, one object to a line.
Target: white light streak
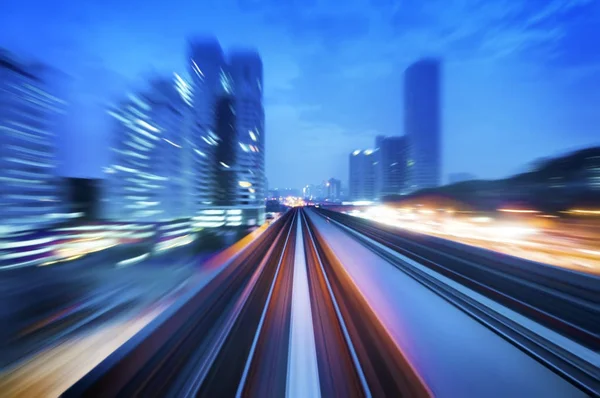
[{"x": 172, "y": 143}]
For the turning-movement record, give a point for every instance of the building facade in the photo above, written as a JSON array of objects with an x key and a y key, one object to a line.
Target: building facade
[
  {"x": 193, "y": 149},
  {"x": 239, "y": 79},
  {"x": 147, "y": 179},
  {"x": 309, "y": 192},
  {"x": 392, "y": 168},
  {"x": 334, "y": 188},
  {"x": 31, "y": 110},
  {"x": 246, "y": 70},
  {"x": 363, "y": 175},
  {"x": 210, "y": 81},
  {"x": 422, "y": 118}
]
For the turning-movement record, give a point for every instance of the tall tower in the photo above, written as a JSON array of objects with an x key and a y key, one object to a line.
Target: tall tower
[
  {"x": 31, "y": 110},
  {"x": 422, "y": 123},
  {"x": 208, "y": 71},
  {"x": 246, "y": 70}
]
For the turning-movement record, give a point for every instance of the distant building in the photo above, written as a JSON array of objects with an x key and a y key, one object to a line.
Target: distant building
[
  {"x": 31, "y": 109},
  {"x": 392, "y": 178},
  {"x": 321, "y": 191},
  {"x": 454, "y": 178},
  {"x": 422, "y": 119},
  {"x": 592, "y": 172},
  {"x": 363, "y": 172},
  {"x": 334, "y": 187},
  {"x": 309, "y": 192}
]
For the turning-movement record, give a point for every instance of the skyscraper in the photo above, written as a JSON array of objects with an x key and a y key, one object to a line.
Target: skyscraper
[
  {"x": 30, "y": 112},
  {"x": 422, "y": 123},
  {"x": 392, "y": 166},
  {"x": 145, "y": 179},
  {"x": 193, "y": 149},
  {"x": 363, "y": 173},
  {"x": 237, "y": 82},
  {"x": 246, "y": 70},
  {"x": 210, "y": 80}
]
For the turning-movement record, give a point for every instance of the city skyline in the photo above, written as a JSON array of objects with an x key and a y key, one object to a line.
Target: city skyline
[
  {"x": 191, "y": 148},
  {"x": 527, "y": 81}
]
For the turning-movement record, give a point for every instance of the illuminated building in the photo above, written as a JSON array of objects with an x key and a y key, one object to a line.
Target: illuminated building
[
  {"x": 247, "y": 77},
  {"x": 363, "y": 175},
  {"x": 334, "y": 187},
  {"x": 30, "y": 113},
  {"x": 240, "y": 82},
  {"x": 422, "y": 123},
  {"x": 391, "y": 166},
  {"x": 209, "y": 81},
  {"x": 309, "y": 192},
  {"x": 147, "y": 179},
  {"x": 321, "y": 190}
]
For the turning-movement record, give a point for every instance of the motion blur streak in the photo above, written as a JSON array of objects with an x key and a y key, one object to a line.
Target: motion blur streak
[
  {"x": 333, "y": 342},
  {"x": 555, "y": 297},
  {"x": 387, "y": 371},
  {"x": 240, "y": 334},
  {"x": 567, "y": 301},
  {"x": 234, "y": 249},
  {"x": 554, "y": 242},
  {"x": 333, "y": 305},
  {"x": 303, "y": 373},
  {"x": 54, "y": 370},
  {"x": 49, "y": 351},
  {"x": 194, "y": 333},
  {"x": 266, "y": 369}
]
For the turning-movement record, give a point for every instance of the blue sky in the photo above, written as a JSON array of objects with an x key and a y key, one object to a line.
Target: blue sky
[{"x": 521, "y": 78}]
